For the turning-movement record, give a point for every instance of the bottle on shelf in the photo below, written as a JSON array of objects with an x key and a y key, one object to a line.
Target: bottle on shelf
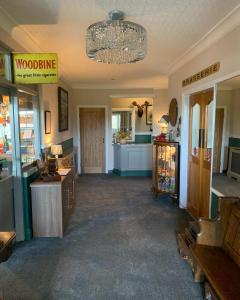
[{"x": 6, "y": 145}]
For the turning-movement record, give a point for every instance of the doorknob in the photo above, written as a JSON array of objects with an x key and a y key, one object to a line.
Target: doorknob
[{"x": 103, "y": 140}]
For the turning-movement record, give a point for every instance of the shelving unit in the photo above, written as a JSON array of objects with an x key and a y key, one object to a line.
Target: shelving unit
[
  {"x": 27, "y": 136},
  {"x": 165, "y": 168}
]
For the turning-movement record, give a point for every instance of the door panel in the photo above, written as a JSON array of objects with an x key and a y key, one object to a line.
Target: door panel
[
  {"x": 200, "y": 152},
  {"x": 194, "y": 156},
  {"x": 92, "y": 132}
]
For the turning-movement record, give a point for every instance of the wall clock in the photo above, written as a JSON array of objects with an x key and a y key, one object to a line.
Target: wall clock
[{"x": 173, "y": 112}]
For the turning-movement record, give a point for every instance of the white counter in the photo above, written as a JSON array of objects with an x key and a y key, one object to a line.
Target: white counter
[{"x": 132, "y": 159}]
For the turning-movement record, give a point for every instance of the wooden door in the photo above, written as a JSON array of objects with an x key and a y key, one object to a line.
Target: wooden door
[
  {"x": 219, "y": 119},
  {"x": 200, "y": 150},
  {"x": 92, "y": 132}
]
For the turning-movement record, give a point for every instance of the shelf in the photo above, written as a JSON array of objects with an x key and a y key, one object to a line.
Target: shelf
[{"x": 165, "y": 166}]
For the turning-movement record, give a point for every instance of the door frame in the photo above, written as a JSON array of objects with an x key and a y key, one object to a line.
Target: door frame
[
  {"x": 106, "y": 163},
  {"x": 224, "y": 107}
]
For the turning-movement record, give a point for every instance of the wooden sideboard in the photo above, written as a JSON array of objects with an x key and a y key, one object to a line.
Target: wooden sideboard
[{"x": 52, "y": 205}]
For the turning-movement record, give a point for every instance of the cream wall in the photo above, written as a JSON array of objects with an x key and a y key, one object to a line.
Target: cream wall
[
  {"x": 229, "y": 100},
  {"x": 224, "y": 99},
  {"x": 226, "y": 51},
  {"x": 235, "y": 115},
  {"x": 48, "y": 95},
  {"x": 104, "y": 97}
]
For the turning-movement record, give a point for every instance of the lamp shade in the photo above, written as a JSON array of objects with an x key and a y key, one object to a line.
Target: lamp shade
[{"x": 56, "y": 149}]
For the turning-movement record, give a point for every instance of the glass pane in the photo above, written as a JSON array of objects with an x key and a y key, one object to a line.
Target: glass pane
[
  {"x": 27, "y": 141},
  {"x": 195, "y": 129},
  {"x": 166, "y": 168},
  {"x": 5, "y": 137},
  {"x": 5, "y": 65},
  {"x": 209, "y": 132}
]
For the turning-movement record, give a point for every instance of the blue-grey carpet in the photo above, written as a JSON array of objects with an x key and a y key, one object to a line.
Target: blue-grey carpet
[{"x": 120, "y": 244}]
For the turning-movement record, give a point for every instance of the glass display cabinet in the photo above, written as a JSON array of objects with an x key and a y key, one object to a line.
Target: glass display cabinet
[
  {"x": 28, "y": 127},
  {"x": 166, "y": 168}
]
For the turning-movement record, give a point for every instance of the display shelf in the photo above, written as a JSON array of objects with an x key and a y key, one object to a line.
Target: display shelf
[{"x": 165, "y": 168}]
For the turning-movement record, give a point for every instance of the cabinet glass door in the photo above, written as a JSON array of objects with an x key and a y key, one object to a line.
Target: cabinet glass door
[
  {"x": 5, "y": 134},
  {"x": 27, "y": 130}
]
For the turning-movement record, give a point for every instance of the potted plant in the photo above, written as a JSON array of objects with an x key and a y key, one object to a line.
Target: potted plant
[{"x": 122, "y": 137}]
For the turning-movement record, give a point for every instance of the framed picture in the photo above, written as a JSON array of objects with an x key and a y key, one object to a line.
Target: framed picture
[
  {"x": 47, "y": 122},
  {"x": 62, "y": 109},
  {"x": 149, "y": 114}
]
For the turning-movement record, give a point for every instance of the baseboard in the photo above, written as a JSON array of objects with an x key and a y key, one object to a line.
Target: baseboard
[{"x": 137, "y": 173}]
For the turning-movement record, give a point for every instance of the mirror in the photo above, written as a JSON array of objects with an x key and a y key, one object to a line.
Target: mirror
[{"x": 123, "y": 125}]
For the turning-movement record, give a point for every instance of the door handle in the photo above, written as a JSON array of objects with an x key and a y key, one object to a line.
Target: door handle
[{"x": 103, "y": 140}]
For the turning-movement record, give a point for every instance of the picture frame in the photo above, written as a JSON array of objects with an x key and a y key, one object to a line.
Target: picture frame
[
  {"x": 47, "y": 118},
  {"x": 149, "y": 114},
  {"x": 62, "y": 109}
]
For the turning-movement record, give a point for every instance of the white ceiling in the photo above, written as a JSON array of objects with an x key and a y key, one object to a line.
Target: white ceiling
[{"x": 173, "y": 27}]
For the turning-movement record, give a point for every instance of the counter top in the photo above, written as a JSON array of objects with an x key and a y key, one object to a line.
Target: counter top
[
  {"x": 39, "y": 183},
  {"x": 222, "y": 185}
]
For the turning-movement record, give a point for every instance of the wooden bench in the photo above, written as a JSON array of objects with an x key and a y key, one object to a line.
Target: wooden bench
[{"x": 216, "y": 253}]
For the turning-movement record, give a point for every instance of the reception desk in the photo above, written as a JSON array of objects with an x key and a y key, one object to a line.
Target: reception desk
[{"x": 132, "y": 159}]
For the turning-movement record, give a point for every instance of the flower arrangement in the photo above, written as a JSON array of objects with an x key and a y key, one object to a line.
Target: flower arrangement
[{"x": 122, "y": 135}]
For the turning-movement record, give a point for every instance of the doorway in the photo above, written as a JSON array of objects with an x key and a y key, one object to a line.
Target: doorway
[
  {"x": 201, "y": 128},
  {"x": 92, "y": 139}
]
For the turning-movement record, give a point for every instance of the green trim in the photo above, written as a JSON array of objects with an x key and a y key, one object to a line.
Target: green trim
[
  {"x": 214, "y": 206},
  {"x": 27, "y": 206},
  {"x": 143, "y": 173},
  {"x": 234, "y": 142},
  {"x": 143, "y": 138}
]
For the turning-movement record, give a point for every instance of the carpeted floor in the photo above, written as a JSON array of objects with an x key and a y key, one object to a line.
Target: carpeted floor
[{"x": 120, "y": 244}]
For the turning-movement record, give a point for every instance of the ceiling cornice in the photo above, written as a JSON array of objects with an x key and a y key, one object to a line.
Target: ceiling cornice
[
  {"x": 226, "y": 25},
  {"x": 17, "y": 32},
  {"x": 22, "y": 36},
  {"x": 160, "y": 86}
]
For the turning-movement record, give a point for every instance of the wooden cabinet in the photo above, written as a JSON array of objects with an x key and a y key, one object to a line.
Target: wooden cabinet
[
  {"x": 165, "y": 168},
  {"x": 52, "y": 205}
]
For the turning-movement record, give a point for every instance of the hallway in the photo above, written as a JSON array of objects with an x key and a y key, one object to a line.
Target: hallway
[{"x": 120, "y": 244}]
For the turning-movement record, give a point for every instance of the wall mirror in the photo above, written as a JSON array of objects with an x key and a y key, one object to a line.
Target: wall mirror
[{"x": 123, "y": 124}]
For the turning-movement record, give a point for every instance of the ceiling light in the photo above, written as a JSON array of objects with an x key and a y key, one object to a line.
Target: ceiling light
[{"x": 116, "y": 41}]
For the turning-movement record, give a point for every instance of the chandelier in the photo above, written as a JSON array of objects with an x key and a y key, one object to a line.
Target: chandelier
[{"x": 116, "y": 41}]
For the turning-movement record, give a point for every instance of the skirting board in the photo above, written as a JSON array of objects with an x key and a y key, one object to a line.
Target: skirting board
[{"x": 136, "y": 173}]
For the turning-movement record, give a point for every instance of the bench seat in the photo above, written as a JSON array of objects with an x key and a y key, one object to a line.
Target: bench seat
[{"x": 220, "y": 270}]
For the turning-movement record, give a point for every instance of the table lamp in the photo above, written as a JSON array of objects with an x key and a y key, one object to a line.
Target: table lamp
[{"x": 56, "y": 150}]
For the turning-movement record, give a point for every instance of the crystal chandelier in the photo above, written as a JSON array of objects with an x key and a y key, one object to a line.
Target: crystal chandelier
[{"x": 116, "y": 41}]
